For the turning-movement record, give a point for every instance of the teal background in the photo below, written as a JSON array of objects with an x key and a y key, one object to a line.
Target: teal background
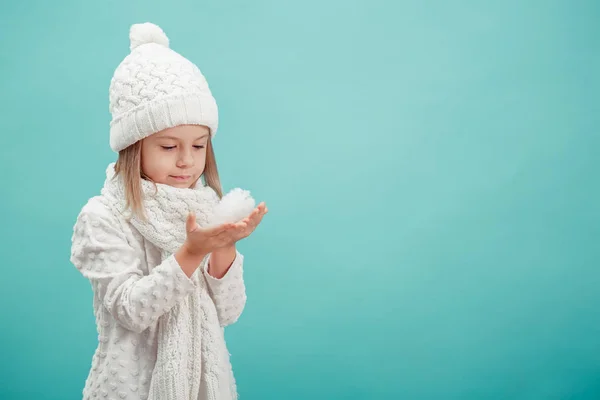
[{"x": 430, "y": 167}]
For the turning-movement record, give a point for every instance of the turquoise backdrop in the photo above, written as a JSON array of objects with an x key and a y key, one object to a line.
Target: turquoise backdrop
[{"x": 431, "y": 170}]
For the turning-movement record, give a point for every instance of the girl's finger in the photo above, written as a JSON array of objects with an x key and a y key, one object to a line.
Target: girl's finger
[
  {"x": 219, "y": 229},
  {"x": 256, "y": 210},
  {"x": 255, "y": 216}
]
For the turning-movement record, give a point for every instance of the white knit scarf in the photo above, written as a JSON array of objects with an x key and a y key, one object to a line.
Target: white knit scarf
[{"x": 177, "y": 372}]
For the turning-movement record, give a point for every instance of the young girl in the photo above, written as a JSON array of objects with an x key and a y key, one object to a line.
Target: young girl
[{"x": 165, "y": 284}]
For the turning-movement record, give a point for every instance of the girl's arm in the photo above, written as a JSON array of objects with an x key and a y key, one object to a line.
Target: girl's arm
[
  {"x": 225, "y": 277},
  {"x": 100, "y": 251},
  {"x": 224, "y": 272}
]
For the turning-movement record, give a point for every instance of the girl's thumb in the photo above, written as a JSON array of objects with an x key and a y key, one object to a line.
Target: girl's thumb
[{"x": 190, "y": 222}]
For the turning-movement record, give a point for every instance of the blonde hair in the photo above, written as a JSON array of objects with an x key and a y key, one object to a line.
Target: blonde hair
[{"x": 129, "y": 165}]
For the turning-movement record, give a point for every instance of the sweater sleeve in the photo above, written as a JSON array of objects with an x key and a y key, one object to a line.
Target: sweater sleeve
[
  {"x": 229, "y": 292},
  {"x": 100, "y": 251}
]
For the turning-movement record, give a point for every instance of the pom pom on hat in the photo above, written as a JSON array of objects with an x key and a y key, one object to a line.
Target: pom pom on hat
[{"x": 147, "y": 32}]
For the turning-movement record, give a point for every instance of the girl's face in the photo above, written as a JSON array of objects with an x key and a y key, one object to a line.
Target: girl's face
[{"x": 175, "y": 156}]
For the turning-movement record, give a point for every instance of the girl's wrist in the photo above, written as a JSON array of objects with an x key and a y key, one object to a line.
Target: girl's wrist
[
  {"x": 188, "y": 259},
  {"x": 225, "y": 249},
  {"x": 220, "y": 261}
]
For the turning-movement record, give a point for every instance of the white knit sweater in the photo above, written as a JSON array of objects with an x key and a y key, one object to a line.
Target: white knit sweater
[{"x": 132, "y": 289}]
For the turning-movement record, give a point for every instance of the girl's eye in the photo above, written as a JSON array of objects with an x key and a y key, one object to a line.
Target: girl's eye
[{"x": 172, "y": 147}]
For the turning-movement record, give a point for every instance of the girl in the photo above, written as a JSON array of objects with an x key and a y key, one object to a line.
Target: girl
[{"x": 165, "y": 285}]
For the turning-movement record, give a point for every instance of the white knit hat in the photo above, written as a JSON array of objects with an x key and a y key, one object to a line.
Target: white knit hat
[{"x": 155, "y": 88}]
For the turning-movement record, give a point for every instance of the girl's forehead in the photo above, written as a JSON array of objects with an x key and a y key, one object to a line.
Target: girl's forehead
[{"x": 184, "y": 132}]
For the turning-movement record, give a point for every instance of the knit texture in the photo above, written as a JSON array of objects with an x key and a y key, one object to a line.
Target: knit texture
[
  {"x": 160, "y": 332},
  {"x": 155, "y": 88},
  {"x": 178, "y": 365}
]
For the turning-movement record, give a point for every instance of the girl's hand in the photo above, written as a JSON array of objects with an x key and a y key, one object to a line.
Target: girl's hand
[
  {"x": 206, "y": 240},
  {"x": 245, "y": 227},
  {"x": 202, "y": 241}
]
